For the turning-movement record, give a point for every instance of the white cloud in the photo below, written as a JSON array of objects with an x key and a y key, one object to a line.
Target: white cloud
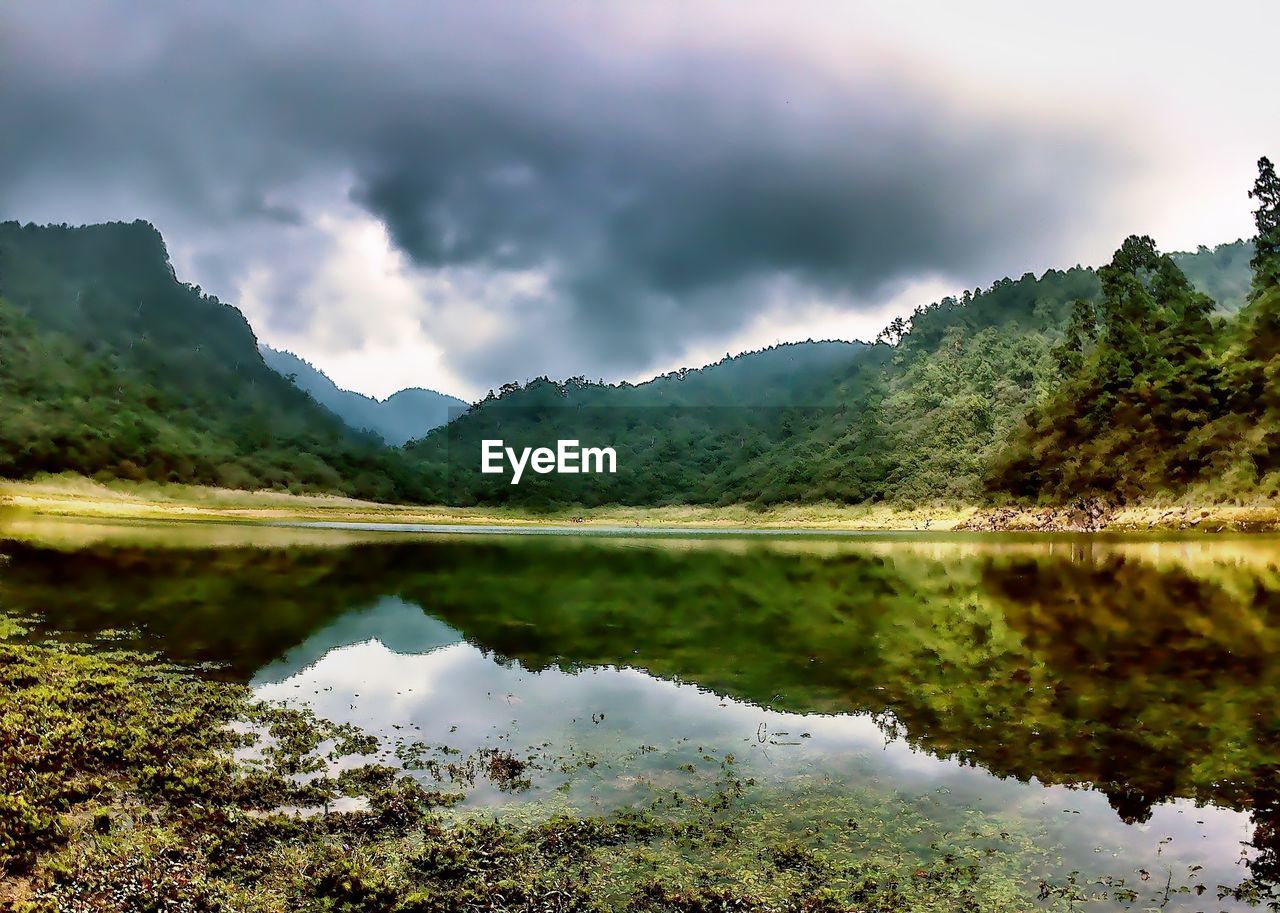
[{"x": 372, "y": 320}]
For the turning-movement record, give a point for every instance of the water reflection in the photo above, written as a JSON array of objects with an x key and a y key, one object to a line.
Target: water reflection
[
  {"x": 1114, "y": 698},
  {"x": 396, "y": 625},
  {"x": 639, "y": 731}
]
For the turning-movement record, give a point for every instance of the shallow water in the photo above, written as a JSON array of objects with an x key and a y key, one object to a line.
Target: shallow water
[{"x": 1113, "y": 702}]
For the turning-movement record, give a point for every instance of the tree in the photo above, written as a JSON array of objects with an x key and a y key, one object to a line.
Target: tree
[
  {"x": 1079, "y": 338},
  {"x": 1258, "y": 372},
  {"x": 893, "y": 333},
  {"x": 1266, "y": 258}
]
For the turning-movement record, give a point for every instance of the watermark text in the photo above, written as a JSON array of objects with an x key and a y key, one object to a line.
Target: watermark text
[{"x": 568, "y": 458}]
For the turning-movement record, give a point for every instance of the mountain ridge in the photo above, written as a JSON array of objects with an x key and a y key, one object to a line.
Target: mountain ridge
[
  {"x": 920, "y": 415},
  {"x": 112, "y": 367},
  {"x": 403, "y": 416}
]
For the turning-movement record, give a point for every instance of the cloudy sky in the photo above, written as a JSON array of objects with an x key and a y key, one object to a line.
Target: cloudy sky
[{"x": 458, "y": 194}]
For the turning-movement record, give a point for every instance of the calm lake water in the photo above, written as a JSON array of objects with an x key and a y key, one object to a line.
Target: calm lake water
[{"x": 1106, "y": 705}]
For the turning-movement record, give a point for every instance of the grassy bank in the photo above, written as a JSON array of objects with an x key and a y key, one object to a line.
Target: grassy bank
[
  {"x": 67, "y": 495},
  {"x": 76, "y": 496}
]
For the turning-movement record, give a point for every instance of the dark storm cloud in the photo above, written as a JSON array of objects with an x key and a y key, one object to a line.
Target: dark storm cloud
[{"x": 660, "y": 187}]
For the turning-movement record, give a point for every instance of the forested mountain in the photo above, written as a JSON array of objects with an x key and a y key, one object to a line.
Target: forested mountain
[
  {"x": 401, "y": 417},
  {"x": 918, "y": 415},
  {"x": 684, "y": 437},
  {"x": 923, "y": 414},
  {"x": 110, "y": 366},
  {"x": 1157, "y": 395},
  {"x": 1154, "y": 374}
]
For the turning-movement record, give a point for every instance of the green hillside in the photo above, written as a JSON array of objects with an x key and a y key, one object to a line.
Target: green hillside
[
  {"x": 923, "y": 414},
  {"x": 1157, "y": 393},
  {"x": 110, "y": 366},
  {"x": 917, "y": 415},
  {"x": 684, "y": 437},
  {"x": 1151, "y": 375},
  {"x": 401, "y": 417}
]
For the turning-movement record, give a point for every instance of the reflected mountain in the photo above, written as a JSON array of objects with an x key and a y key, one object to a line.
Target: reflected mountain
[
  {"x": 1144, "y": 680},
  {"x": 400, "y": 626}
]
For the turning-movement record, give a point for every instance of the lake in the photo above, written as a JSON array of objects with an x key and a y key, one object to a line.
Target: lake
[{"x": 1105, "y": 705}]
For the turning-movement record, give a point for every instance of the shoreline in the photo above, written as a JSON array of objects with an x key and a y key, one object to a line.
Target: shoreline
[{"x": 72, "y": 496}]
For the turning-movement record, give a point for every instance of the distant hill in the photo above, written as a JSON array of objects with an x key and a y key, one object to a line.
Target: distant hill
[
  {"x": 683, "y": 437},
  {"x": 401, "y": 417},
  {"x": 1223, "y": 272},
  {"x": 111, "y": 366}
]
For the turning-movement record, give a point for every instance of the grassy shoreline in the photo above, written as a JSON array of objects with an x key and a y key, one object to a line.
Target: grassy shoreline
[{"x": 76, "y": 496}]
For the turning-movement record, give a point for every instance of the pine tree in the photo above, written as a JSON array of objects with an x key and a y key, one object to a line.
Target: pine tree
[
  {"x": 1260, "y": 372},
  {"x": 1079, "y": 338},
  {"x": 1266, "y": 258}
]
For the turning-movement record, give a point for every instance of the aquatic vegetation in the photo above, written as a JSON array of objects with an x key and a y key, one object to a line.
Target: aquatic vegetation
[{"x": 128, "y": 783}]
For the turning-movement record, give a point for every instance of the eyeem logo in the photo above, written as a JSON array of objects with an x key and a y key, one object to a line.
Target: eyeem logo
[{"x": 567, "y": 459}]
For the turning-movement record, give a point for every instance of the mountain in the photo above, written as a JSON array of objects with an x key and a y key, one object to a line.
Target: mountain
[
  {"x": 684, "y": 437},
  {"x": 111, "y": 366},
  {"x": 1156, "y": 395},
  {"x": 915, "y": 416},
  {"x": 923, "y": 414},
  {"x": 401, "y": 417}
]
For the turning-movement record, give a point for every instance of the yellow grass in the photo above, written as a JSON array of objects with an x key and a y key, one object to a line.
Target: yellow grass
[{"x": 76, "y": 496}]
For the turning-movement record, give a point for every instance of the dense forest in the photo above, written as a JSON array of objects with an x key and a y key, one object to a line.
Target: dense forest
[
  {"x": 1153, "y": 375},
  {"x": 690, "y": 436},
  {"x": 932, "y": 411},
  {"x": 1156, "y": 393},
  {"x": 112, "y": 367}
]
